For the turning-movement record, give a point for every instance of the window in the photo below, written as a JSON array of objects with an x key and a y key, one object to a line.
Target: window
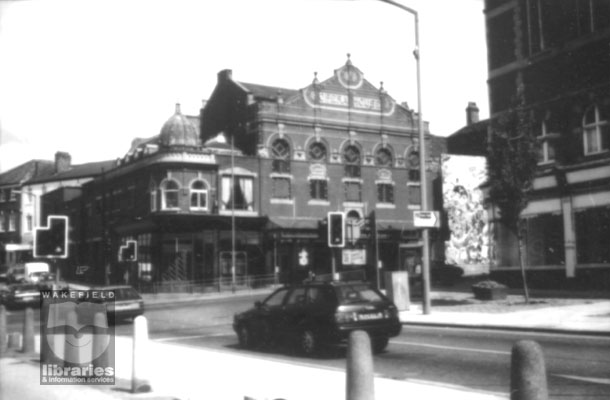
[
  {"x": 153, "y": 197},
  {"x": 170, "y": 191},
  {"x": 280, "y": 152},
  {"x": 385, "y": 193},
  {"x": 237, "y": 195},
  {"x": 318, "y": 189},
  {"x": 413, "y": 165},
  {"x": 353, "y": 191},
  {"x": 281, "y": 188},
  {"x": 12, "y": 195},
  {"x": 596, "y": 131},
  {"x": 352, "y": 160},
  {"x": 593, "y": 248},
  {"x": 296, "y": 297},
  {"x": 276, "y": 299},
  {"x": 317, "y": 152},
  {"x": 384, "y": 158},
  {"x": 2, "y": 195},
  {"x": 12, "y": 222},
  {"x": 2, "y": 222},
  {"x": 546, "y": 152},
  {"x": 29, "y": 223},
  {"x": 414, "y": 195},
  {"x": 544, "y": 240},
  {"x": 199, "y": 195}
]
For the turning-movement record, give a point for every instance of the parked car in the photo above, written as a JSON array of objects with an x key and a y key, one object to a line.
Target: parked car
[
  {"x": 18, "y": 295},
  {"x": 313, "y": 314},
  {"x": 127, "y": 303}
]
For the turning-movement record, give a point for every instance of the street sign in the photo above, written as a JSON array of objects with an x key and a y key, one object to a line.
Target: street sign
[{"x": 426, "y": 219}]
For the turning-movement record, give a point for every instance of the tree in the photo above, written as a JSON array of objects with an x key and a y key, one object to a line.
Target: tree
[{"x": 511, "y": 163}]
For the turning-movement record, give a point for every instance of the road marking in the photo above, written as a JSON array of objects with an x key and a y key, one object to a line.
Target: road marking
[
  {"x": 435, "y": 346},
  {"x": 601, "y": 381},
  {"x": 177, "y": 338}
]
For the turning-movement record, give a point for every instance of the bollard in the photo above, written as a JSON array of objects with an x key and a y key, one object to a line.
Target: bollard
[
  {"x": 139, "y": 381},
  {"x": 28, "y": 345},
  {"x": 100, "y": 340},
  {"x": 71, "y": 352},
  {"x": 528, "y": 372},
  {"x": 14, "y": 340},
  {"x": 3, "y": 330},
  {"x": 359, "y": 382}
]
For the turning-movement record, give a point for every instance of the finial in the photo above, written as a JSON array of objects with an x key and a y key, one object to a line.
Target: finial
[
  {"x": 178, "y": 108},
  {"x": 349, "y": 61},
  {"x": 315, "y": 78},
  {"x": 381, "y": 89}
]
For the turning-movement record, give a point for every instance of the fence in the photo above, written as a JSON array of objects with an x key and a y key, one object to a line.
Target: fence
[{"x": 209, "y": 286}]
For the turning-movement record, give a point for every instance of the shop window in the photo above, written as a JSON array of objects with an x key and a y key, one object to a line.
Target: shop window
[
  {"x": 281, "y": 188},
  {"x": 352, "y": 160},
  {"x": 353, "y": 191},
  {"x": 385, "y": 193},
  {"x": 199, "y": 195},
  {"x": 317, "y": 152},
  {"x": 544, "y": 240},
  {"x": 280, "y": 151},
  {"x": 546, "y": 151},
  {"x": 596, "y": 131},
  {"x": 318, "y": 189},
  {"x": 170, "y": 190},
  {"x": 237, "y": 194},
  {"x": 592, "y": 233}
]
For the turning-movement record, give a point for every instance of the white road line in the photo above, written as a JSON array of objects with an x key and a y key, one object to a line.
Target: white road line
[
  {"x": 435, "y": 346},
  {"x": 601, "y": 381},
  {"x": 178, "y": 338}
]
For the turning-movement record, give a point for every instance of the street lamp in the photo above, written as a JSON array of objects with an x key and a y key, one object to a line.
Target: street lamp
[{"x": 422, "y": 162}]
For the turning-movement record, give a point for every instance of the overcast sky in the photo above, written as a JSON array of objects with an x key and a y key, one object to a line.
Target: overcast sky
[{"x": 87, "y": 77}]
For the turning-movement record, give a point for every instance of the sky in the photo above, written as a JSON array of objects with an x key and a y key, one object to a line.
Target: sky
[{"x": 88, "y": 76}]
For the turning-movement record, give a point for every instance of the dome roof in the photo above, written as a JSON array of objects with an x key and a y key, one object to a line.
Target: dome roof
[{"x": 179, "y": 131}]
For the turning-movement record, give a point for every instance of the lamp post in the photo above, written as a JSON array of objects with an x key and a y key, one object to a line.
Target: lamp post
[{"x": 422, "y": 162}]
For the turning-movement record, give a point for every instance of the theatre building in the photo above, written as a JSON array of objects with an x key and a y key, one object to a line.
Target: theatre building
[{"x": 257, "y": 171}]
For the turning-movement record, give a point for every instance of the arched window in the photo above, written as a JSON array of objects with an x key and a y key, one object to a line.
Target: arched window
[
  {"x": 199, "y": 195},
  {"x": 383, "y": 158},
  {"x": 317, "y": 152},
  {"x": 169, "y": 195},
  {"x": 596, "y": 131},
  {"x": 280, "y": 152},
  {"x": 352, "y": 160}
]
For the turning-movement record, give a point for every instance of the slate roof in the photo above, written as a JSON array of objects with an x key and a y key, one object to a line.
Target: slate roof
[
  {"x": 78, "y": 171},
  {"x": 33, "y": 169},
  {"x": 267, "y": 92}
]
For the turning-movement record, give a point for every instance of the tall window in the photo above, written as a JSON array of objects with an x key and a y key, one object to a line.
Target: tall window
[
  {"x": 383, "y": 158},
  {"x": 2, "y": 222},
  {"x": 596, "y": 131},
  {"x": 281, "y": 188},
  {"x": 280, "y": 151},
  {"x": 353, "y": 191},
  {"x": 317, "y": 152},
  {"x": 546, "y": 152},
  {"x": 318, "y": 189},
  {"x": 153, "y": 196},
  {"x": 413, "y": 165},
  {"x": 199, "y": 195},
  {"x": 385, "y": 193},
  {"x": 237, "y": 194},
  {"x": 170, "y": 190},
  {"x": 12, "y": 222},
  {"x": 352, "y": 160}
]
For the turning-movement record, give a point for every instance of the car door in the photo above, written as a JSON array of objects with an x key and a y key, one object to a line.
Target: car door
[
  {"x": 269, "y": 321},
  {"x": 293, "y": 311}
]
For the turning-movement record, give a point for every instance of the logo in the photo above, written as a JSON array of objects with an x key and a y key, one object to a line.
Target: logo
[{"x": 77, "y": 342}]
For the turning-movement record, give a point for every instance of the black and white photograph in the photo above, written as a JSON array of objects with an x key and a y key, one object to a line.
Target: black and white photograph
[{"x": 304, "y": 199}]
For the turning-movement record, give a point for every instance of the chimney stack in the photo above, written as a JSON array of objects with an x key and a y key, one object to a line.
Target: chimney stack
[
  {"x": 63, "y": 161},
  {"x": 225, "y": 75},
  {"x": 472, "y": 113}
]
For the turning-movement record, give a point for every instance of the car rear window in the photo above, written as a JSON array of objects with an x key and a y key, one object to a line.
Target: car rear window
[
  {"x": 357, "y": 294},
  {"x": 126, "y": 294}
]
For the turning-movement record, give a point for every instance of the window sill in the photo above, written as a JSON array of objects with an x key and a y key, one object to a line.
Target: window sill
[
  {"x": 414, "y": 207},
  {"x": 282, "y": 201},
  {"x": 353, "y": 204},
  {"x": 385, "y": 205},
  {"x": 318, "y": 203},
  {"x": 238, "y": 213}
]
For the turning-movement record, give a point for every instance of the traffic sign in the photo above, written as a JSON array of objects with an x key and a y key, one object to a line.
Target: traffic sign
[{"x": 426, "y": 219}]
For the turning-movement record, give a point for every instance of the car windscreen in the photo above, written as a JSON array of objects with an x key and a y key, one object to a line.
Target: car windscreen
[{"x": 350, "y": 294}]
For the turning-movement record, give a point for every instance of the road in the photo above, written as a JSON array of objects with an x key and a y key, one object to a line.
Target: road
[{"x": 578, "y": 367}]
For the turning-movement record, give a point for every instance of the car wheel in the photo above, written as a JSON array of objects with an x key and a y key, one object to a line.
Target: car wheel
[
  {"x": 308, "y": 342},
  {"x": 380, "y": 344},
  {"x": 244, "y": 336}
]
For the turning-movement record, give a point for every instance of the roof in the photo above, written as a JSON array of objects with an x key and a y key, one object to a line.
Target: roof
[
  {"x": 31, "y": 170},
  {"x": 79, "y": 171},
  {"x": 267, "y": 92},
  {"x": 470, "y": 140}
]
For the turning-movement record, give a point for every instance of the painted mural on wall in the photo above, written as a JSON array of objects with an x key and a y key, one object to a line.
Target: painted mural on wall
[{"x": 469, "y": 240}]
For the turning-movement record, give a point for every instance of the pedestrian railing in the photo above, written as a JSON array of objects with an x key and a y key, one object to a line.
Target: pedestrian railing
[{"x": 222, "y": 284}]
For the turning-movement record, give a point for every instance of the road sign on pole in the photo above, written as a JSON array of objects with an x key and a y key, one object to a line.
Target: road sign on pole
[{"x": 426, "y": 219}]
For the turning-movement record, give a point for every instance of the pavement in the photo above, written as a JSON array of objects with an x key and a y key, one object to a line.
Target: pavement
[{"x": 183, "y": 372}]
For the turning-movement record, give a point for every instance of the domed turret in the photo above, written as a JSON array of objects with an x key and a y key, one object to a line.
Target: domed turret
[{"x": 179, "y": 131}]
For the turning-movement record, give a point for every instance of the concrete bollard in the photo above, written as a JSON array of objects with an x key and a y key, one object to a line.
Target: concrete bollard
[
  {"x": 71, "y": 353},
  {"x": 3, "y": 330},
  {"x": 139, "y": 381},
  {"x": 28, "y": 345},
  {"x": 100, "y": 340},
  {"x": 360, "y": 378},
  {"x": 14, "y": 340},
  {"x": 528, "y": 372}
]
